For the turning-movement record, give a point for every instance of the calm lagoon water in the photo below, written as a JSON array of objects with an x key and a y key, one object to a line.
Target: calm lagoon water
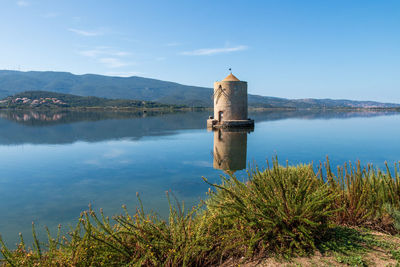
[{"x": 53, "y": 165}]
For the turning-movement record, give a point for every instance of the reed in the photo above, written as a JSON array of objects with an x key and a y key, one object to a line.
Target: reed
[
  {"x": 368, "y": 197},
  {"x": 279, "y": 211}
]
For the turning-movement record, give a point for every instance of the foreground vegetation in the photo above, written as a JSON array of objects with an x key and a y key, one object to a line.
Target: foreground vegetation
[{"x": 280, "y": 214}]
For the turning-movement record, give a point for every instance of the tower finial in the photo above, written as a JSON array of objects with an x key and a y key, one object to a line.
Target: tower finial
[{"x": 230, "y": 69}]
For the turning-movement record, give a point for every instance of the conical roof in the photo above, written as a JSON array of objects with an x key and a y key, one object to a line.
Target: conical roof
[{"x": 231, "y": 78}]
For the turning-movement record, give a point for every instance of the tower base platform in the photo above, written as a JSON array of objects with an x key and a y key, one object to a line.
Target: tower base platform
[{"x": 215, "y": 124}]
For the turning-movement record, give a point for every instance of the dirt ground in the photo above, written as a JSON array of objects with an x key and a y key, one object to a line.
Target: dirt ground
[{"x": 383, "y": 251}]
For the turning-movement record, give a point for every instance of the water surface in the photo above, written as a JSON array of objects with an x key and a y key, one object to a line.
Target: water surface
[{"x": 54, "y": 164}]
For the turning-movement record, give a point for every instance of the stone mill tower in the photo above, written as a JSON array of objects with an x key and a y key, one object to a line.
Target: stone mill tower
[{"x": 230, "y": 104}]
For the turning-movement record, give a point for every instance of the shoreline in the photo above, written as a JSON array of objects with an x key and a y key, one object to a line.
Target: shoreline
[{"x": 195, "y": 109}]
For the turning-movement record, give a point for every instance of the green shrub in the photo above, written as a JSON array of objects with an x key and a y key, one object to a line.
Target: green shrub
[{"x": 280, "y": 209}]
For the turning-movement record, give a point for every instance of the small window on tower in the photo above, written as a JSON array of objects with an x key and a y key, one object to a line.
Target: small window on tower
[{"x": 220, "y": 116}]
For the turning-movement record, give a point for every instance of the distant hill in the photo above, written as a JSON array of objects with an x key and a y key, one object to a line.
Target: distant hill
[
  {"x": 44, "y": 99},
  {"x": 138, "y": 88}
]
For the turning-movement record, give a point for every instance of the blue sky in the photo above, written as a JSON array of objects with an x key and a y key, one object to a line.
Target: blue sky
[{"x": 295, "y": 49}]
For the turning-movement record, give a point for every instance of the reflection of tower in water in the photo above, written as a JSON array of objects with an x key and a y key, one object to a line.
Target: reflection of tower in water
[{"x": 230, "y": 149}]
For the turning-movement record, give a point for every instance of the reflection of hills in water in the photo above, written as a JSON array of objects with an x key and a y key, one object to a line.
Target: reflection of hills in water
[
  {"x": 230, "y": 149},
  {"x": 47, "y": 127},
  {"x": 69, "y": 127},
  {"x": 31, "y": 116},
  {"x": 48, "y": 117},
  {"x": 272, "y": 115}
]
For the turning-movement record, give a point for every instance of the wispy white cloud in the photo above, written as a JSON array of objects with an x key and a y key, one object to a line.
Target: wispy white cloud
[
  {"x": 108, "y": 56},
  {"x": 91, "y": 53},
  {"x": 125, "y": 73},
  {"x": 85, "y": 33},
  {"x": 113, "y": 62},
  {"x": 23, "y": 3},
  {"x": 50, "y": 15},
  {"x": 214, "y": 51},
  {"x": 103, "y": 51}
]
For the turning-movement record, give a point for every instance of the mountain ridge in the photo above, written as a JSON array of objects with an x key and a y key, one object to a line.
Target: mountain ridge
[{"x": 148, "y": 89}]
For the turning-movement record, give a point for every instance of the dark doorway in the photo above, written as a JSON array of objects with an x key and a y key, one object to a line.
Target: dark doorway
[{"x": 220, "y": 115}]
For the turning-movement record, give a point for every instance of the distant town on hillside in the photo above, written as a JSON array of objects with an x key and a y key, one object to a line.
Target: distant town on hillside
[{"x": 49, "y": 100}]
